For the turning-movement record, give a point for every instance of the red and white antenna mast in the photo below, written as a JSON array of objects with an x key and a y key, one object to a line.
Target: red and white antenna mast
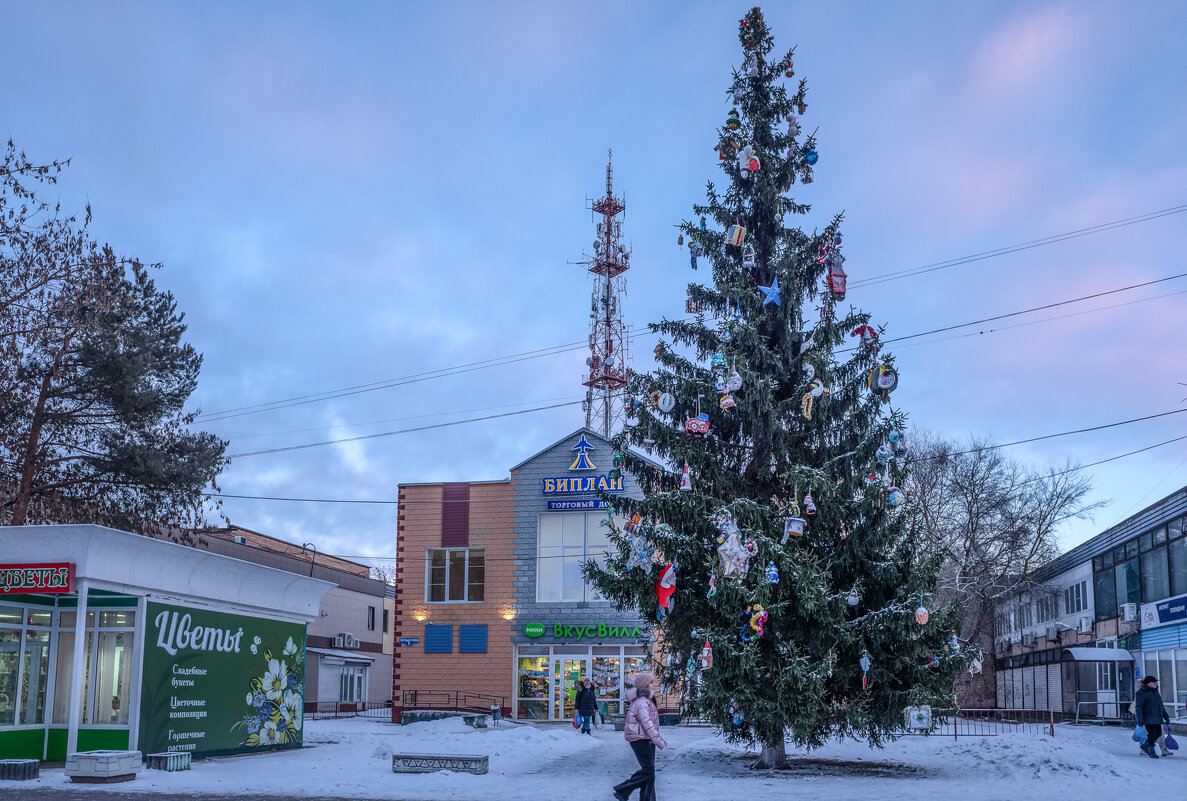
[{"x": 607, "y": 374}]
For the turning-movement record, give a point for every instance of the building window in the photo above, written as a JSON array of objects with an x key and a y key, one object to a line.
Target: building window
[
  {"x": 385, "y": 623},
  {"x": 566, "y": 542},
  {"x": 1105, "y": 590},
  {"x": 1156, "y": 583},
  {"x": 1025, "y": 615},
  {"x": 24, "y": 664},
  {"x": 455, "y": 575},
  {"x": 370, "y": 618},
  {"x": 1177, "y": 556},
  {"x": 352, "y": 685},
  {"x": 471, "y": 639},
  {"x": 1048, "y": 608},
  {"x": 107, "y": 667},
  {"x": 1075, "y": 598}
]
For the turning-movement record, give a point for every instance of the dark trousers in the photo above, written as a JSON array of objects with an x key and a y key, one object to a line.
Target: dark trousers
[
  {"x": 644, "y": 777},
  {"x": 1153, "y": 732},
  {"x": 586, "y": 719}
]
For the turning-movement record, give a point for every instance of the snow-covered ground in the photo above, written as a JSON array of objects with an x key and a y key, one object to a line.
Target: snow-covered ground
[{"x": 351, "y": 758}]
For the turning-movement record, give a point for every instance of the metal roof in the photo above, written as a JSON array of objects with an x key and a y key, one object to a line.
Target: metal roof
[{"x": 1096, "y": 655}]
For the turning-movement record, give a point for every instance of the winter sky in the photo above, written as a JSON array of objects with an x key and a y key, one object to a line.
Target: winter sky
[{"x": 348, "y": 193}]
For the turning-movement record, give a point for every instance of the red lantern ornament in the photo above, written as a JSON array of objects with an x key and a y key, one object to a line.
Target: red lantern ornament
[{"x": 836, "y": 280}]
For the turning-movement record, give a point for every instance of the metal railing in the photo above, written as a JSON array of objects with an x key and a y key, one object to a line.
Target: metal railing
[
  {"x": 381, "y": 710},
  {"x": 451, "y": 700},
  {"x": 990, "y": 722}
]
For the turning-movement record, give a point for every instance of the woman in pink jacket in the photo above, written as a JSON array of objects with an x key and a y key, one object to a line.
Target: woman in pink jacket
[{"x": 642, "y": 732}]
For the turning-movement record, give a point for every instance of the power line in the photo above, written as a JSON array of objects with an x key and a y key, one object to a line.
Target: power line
[
  {"x": 401, "y": 431},
  {"x": 568, "y": 347},
  {"x": 988, "y": 254},
  {"x": 921, "y": 459}
]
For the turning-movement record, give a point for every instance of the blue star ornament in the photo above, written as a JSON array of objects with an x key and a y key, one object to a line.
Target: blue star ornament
[
  {"x": 582, "y": 461},
  {"x": 771, "y": 292}
]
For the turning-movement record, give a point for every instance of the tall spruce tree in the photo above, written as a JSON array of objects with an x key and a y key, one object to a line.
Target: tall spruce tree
[{"x": 815, "y": 635}]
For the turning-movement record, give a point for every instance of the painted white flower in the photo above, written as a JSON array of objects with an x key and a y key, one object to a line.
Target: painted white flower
[
  {"x": 269, "y": 735},
  {"x": 257, "y": 639},
  {"x": 290, "y": 647},
  {"x": 250, "y": 701},
  {"x": 275, "y": 680},
  {"x": 291, "y": 708},
  {"x": 253, "y": 648}
]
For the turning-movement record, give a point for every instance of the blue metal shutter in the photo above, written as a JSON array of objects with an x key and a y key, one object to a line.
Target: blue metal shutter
[
  {"x": 471, "y": 639},
  {"x": 438, "y": 639}
]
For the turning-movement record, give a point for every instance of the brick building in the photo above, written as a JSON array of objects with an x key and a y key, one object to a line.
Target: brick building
[{"x": 490, "y": 599}]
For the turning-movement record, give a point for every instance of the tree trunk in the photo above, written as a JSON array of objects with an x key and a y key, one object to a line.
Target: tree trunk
[
  {"x": 24, "y": 493},
  {"x": 773, "y": 757}
]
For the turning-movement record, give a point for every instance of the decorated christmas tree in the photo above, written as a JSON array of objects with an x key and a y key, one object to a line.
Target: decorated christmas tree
[{"x": 776, "y": 556}]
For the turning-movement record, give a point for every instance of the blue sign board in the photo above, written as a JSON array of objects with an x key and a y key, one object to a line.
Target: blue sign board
[
  {"x": 409, "y": 640},
  {"x": 573, "y": 484},
  {"x": 575, "y": 506},
  {"x": 1172, "y": 610}
]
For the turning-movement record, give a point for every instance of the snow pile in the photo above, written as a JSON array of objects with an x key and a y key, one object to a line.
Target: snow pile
[{"x": 351, "y": 758}]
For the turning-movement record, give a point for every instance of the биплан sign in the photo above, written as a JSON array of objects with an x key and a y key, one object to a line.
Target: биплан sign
[
  {"x": 54, "y": 577},
  {"x": 219, "y": 683}
]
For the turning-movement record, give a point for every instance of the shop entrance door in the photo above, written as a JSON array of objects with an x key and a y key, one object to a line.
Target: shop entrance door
[{"x": 567, "y": 673}]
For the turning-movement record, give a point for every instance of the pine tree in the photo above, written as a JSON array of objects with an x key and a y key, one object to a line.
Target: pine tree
[{"x": 801, "y": 412}]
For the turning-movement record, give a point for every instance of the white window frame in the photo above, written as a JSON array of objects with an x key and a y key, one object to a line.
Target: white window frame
[
  {"x": 588, "y": 592},
  {"x": 1047, "y": 608},
  {"x": 466, "y": 583},
  {"x": 1075, "y": 598}
]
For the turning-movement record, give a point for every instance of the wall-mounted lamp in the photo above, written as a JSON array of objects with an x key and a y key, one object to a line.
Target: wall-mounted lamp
[
  {"x": 509, "y": 616},
  {"x": 420, "y": 617}
]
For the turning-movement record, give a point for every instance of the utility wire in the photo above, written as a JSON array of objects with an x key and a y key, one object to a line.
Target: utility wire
[
  {"x": 401, "y": 431},
  {"x": 568, "y": 347}
]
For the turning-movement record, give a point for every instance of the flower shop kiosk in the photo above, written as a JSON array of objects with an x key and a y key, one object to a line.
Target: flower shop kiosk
[{"x": 181, "y": 649}]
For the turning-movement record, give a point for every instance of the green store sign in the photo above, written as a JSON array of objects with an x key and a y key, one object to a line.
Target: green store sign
[
  {"x": 218, "y": 683},
  {"x": 577, "y": 633}
]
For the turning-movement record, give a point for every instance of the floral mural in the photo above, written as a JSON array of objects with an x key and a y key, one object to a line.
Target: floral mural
[{"x": 276, "y": 699}]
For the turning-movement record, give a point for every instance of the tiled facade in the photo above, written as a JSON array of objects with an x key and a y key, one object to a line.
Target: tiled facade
[{"x": 504, "y": 519}]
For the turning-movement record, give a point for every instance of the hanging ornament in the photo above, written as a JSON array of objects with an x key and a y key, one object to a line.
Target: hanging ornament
[
  {"x": 836, "y": 280},
  {"x": 752, "y": 163},
  {"x": 691, "y": 667},
  {"x": 694, "y": 251},
  {"x": 735, "y": 714},
  {"x": 702, "y": 223},
  {"x": 737, "y": 235},
  {"x": 866, "y": 332},
  {"x": 717, "y": 360},
  {"x": 648, "y": 443},
  {"x": 789, "y": 69},
  {"x": 665, "y": 588},
  {"x": 642, "y": 552},
  {"x": 686, "y": 479},
  {"x": 817, "y": 388},
  {"x": 754, "y": 626},
  {"x": 753, "y": 66},
  {"x": 895, "y": 497},
  {"x": 852, "y": 598},
  {"x": 865, "y": 668},
  {"x": 809, "y": 504},
  {"x": 975, "y": 666},
  {"x": 772, "y": 573},
  {"x": 793, "y": 526},
  {"x": 900, "y": 448},
  {"x": 954, "y": 643},
  {"x": 921, "y": 614},
  {"x": 793, "y": 128},
  {"x": 727, "y": 402},
  {"x": 712, "y": 586},
  {"x": 809, "y": 371},
  {"x": 806, "y": 405},
  {"x": 771, "y": 292},
  {"x": 735, "y": 559},
  {"x": 719, "y": 385},
  {"x": 680, "y": 239},
  {"x": 870, "y": 480},
  {"x": 697, "y": 426},
  {"x": 666, "y": 402},
  {"x": 748, "y": 257},
  {"x": 735, "y": 381},
  {"x": 732, "y": 121},
  {"x": 802, "y": 108},
  {"x": 933, "y": 662},
  {"x": 811, "y": 156},
  {"x": 706, "y": 657},
  {"x": 883, "y": 453},
  {"x": 882, "y": 380},
  {"x": 894, "y": 435},
  {"x": 844, "y": 531}
]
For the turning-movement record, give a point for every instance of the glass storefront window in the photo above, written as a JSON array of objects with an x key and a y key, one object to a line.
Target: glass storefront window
[
  {"x": 1105, "y": 590},
  {"x": 1181, "y": 687},
  {"x": 10, "y": 663},
  {"x": 36, "y": 677},
  {"x": 534, "y": 677},
  {"x": 113, "y": 674},
  {"x": 1177, "y": 556},
  {"x": 567, "y": 541},
  {"x": 10, "y": 614},
  {"x": 1128, "y": 583},
  {"x": 39, "y": 618}
]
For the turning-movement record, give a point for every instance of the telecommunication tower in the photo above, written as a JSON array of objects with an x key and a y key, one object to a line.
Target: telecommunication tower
[{"x": 607, "y": 373}]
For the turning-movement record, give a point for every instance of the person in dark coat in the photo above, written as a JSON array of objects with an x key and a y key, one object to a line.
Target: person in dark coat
[
  {"x": 1150, "y": 712},
  {"x": 587, "y": 704}
]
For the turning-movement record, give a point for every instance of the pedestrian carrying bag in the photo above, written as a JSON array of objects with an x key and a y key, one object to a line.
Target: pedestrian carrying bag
[
  {"x": 576, "y": 720},
  {"x": 1139, "y": 734},
  {"x": 1171, "y": 743}
]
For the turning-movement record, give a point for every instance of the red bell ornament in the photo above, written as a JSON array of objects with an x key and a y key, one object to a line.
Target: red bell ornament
[{"x": 836, "y": 281}]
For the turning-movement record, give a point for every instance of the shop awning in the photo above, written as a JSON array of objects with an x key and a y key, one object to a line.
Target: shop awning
[
  {"x": 348, "y": 656},
  {"x": 1096, "y": 655}
]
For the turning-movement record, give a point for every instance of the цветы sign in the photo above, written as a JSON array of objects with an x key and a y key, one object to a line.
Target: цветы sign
[
  {"x": 219, "y": 683},
  {"x": 55, "y": 577}
]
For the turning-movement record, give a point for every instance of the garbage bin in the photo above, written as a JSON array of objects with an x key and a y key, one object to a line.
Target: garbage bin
[{"x": 619, "y": 722}]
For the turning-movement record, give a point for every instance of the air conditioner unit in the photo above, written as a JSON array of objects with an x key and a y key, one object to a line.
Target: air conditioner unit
[
  {"x": 1028, "y": 639},
  {"x": 1052, "y": 634},
  {"x": 239, "y": 538},
  {"x": 1085, "y": 626},
  {"x": 1129, "y": 613},
  {"x": 339, "y": 641},
  {"x": 349, "y": 640}
]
